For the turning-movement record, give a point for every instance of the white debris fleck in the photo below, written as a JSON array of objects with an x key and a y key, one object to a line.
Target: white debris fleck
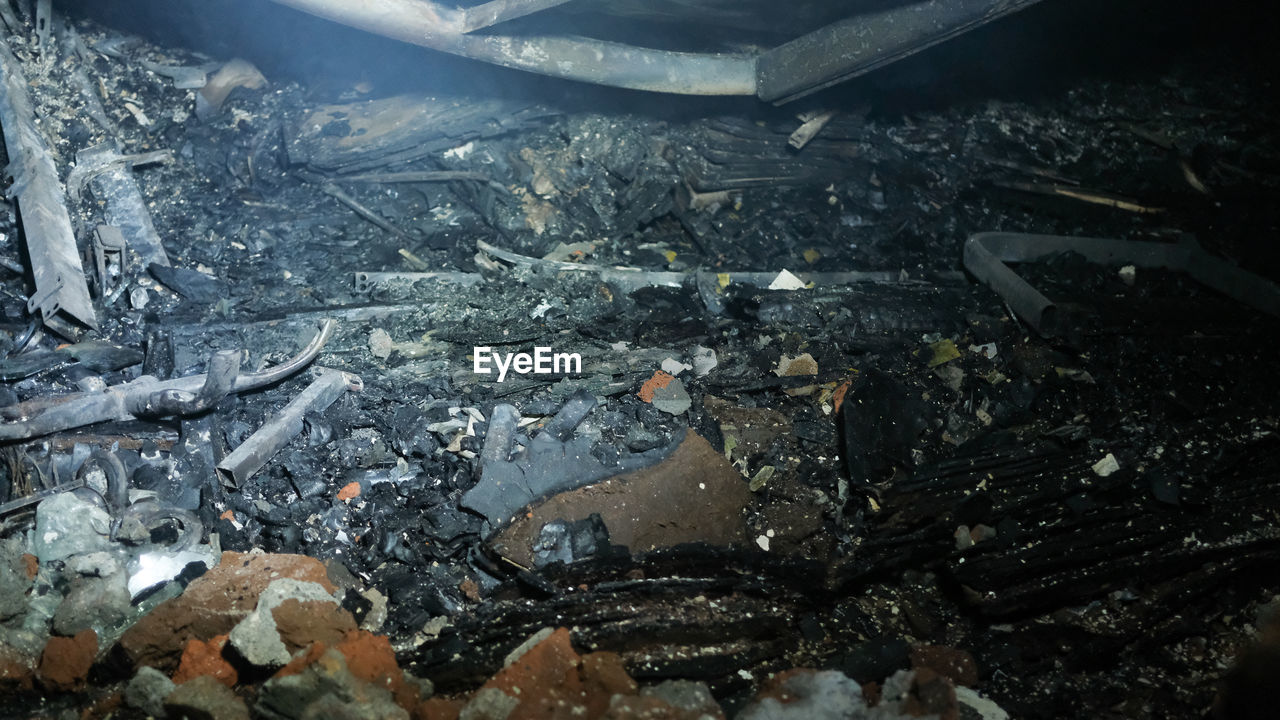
[
  {"x": 380, "y": 344},
  {"x": 786, "y": 281},
  {"x": 1106, "y": 466},
  {"x": 674, "y": 367},
  {"x": 153, "y": 568},
  {"x": 763, "y": 542},
  {"x": 704, "y": 360},
  {"x": 1128, "y": 274},
  {"x": 461, "y": 152},
  {"x": 987, "y": 350},
  {"x": 985, "y": 708}
]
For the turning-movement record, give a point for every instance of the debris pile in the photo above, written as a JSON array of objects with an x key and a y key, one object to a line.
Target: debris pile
[{"x": 384, "y": 397}]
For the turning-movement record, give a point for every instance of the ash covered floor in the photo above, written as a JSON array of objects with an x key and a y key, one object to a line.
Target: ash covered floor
[{"x": 795, "y": 457}]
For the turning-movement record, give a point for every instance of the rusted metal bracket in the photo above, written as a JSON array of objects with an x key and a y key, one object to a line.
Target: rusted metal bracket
[
  {"x": 106, "y": 171},
  {"x": 61, "y": 296},
  {"x": 44, "y": 24},
  {"x": 366, "y": 282},
  {"x": 108, "y": 254}
]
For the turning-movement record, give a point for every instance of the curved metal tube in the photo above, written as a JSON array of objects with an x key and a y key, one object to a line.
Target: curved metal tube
[
  {"x": 250, "y": 381},
  {"x": 219, "y": 376},
  {"x": 119, "y": 402},
  {"x": 985, "y": 255},
  {"x": 425, "y": 23}
]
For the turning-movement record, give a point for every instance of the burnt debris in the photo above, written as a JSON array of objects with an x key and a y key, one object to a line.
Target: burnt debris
[{"x": 329, "y": 388}]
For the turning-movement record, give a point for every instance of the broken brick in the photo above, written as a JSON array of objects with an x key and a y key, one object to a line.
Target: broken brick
[
  {"x": 438, "y": 709},
  {"x": 371, "y": 659},
  {"x": 603, "y": 676},
  {"x": 65, "y": 664},
  {"x": 651, "y": 386},
  {"x": 15, "y": 670},
  {"x": 545, "y": 678},
  {"x": 213, "y": 604},
  {"x": 303, "y": 622},
  {"x": 932, "y": 694},
  {"x": 301, "y": 661},
  {"x": 205, "y": 658},
  {"x": 642, "y": 708},
  {"x": 350, "y": 491}
]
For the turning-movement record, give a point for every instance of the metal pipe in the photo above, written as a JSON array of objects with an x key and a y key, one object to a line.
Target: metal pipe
[
  {"x": 42, "y": 416},
  {"x": 425, "y": 23},
  {"x": 275, "y": 433},
  {"x": 985, "y": 255}
]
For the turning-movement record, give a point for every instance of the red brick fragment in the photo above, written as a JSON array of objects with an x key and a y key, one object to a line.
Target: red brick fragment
[
  {"x": 438, "y": 709},
  {"x": 651, "y": 386},
  {"x": 370, "y": 658},
  {"x": 302, "y": 661},
  {"x": 15, "y": 671},
  {"x": 932, "y": 694},
  {"x": 65, "y": 664},
  {"x": 206, "y": 658},
  {"x": 303, "y": 622},
  {"x": 213, "y": 604}
]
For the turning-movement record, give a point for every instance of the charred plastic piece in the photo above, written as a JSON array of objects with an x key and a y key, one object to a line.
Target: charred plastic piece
[
  {"x": 570, "y": 541},
  {"x": 880, "y": 424},
  {"x": 985, "y": 255},
  {"x": 554, "y": 461}
]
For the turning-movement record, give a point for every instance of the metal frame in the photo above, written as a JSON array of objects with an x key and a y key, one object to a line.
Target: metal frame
[
  {"x": 61, "y": 295},
  {"x": 794, "y": 69}
]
